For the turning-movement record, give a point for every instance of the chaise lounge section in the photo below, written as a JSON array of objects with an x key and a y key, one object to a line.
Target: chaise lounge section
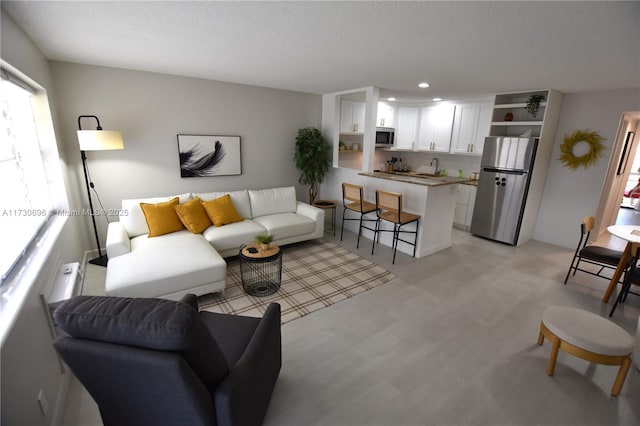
[{"x": 174, "y": 264}]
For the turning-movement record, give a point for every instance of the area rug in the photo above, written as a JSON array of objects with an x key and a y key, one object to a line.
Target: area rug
[{"x": 315, "y": 275}]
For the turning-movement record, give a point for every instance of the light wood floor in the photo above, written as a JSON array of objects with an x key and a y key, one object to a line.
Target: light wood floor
[{"x": 451, "y": 341}]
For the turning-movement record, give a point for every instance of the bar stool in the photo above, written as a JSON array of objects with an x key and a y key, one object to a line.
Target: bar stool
[
  {"x": 389, "y": 205},
  {"x": 353, "y": 199}
]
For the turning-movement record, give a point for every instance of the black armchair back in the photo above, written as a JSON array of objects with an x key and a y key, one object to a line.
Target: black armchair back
[{"x": 159, "y": 362}]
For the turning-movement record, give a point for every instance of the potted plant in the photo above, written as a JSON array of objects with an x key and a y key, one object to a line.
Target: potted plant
[
  {"x": 533, "y": 104},
  {"x": 312, "y": 158},
  {"x": 264, "y": 240}
]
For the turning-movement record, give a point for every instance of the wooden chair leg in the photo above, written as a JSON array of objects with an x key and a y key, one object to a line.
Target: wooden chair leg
[
  {"x": 622, "y": 375},
  {"x": 555, "y": 347},
  {"x": 540, "y": 337},
  {"x": 624, "y": 260}
]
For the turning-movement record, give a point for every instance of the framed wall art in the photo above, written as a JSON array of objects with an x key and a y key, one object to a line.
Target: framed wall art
[
  {"x": 209, "y": 155},
  {"x": 624, "y": 159}
]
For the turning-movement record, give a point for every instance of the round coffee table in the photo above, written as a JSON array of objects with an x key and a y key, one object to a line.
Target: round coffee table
[{"x": 260, "y": 269}]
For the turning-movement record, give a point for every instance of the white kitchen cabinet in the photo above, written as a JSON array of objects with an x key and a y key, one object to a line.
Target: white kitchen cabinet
[
  {"x": 472, "y": 203},
  {"x": 465, "y": 203},
  {"x": 407, "y": 128},
  {"x": 351, "y": 116},
  {"x": 471, "y": 124},
  {"x": 386, "y": 113},
  {"x": 436, "y": 123}
]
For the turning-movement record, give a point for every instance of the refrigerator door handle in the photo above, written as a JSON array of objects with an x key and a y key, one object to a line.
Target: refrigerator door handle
[{"x": 509, "y": 172}]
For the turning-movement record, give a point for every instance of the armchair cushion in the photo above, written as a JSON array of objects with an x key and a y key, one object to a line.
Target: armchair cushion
[{"x": 146, "y": 323}]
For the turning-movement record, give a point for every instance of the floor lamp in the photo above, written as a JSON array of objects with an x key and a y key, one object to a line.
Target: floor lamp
[{"x": 96, "y": 140}]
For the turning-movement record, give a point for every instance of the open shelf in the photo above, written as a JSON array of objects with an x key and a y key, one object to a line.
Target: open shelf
[
  {"x": 516, "y": 105},
  {"x": 516, "y": 123}
]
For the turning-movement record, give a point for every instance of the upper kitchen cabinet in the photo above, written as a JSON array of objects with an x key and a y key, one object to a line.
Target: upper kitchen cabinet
[
  {"x": 386, "y": 115},
  {"x": 512, "y": 117},
  {"x": 351, "y": 116},
  {"x": 471, "y": 124},
  {"x": 407, "y": 128},
  {"x": 436, "y": 123}
]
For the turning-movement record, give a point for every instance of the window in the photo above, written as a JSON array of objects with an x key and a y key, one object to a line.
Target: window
[{"x": 26, "y": 195}]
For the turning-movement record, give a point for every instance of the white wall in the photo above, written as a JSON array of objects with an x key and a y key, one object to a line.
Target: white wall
[
  {"x": 28, "y": 361},
  {"x": 150, "y": 109},
  {"x": 569, "y": 195}
]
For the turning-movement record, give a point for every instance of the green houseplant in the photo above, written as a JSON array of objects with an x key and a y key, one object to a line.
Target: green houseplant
[
  {"x": 312, "y": 158},
  {"x": 533, "y": 104},
  {"x": 263, "y": 239}
]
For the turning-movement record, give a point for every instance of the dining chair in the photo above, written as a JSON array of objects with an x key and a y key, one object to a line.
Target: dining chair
[
  {"x": 389, "y": 208},
  {"x": 601, "y": 257},
  {"x": 632, "y": 277},
  {"x": 353, "y": 200}
]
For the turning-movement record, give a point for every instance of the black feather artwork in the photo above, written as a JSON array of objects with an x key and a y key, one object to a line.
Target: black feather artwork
[{"x": 196, "y": 163}]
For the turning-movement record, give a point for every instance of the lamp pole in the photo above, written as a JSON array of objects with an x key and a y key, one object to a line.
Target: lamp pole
[{"x": 101, "y": 260}]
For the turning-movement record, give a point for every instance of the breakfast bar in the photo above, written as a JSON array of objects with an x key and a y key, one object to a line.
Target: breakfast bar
[{"x": 432, "y": 197}]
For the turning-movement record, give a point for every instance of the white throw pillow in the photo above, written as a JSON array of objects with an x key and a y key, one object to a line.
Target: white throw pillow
[
  {"x": 132, "y": 217},
  {"x": 273, "y": 201}
]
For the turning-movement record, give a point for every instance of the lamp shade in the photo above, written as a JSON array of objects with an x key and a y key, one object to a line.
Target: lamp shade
[{"x": 100, "y": 140}]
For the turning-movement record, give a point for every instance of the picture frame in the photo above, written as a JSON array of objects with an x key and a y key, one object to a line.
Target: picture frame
[
  {"x": 209, "y": 155},
  {"x": 624, "y": 159}
]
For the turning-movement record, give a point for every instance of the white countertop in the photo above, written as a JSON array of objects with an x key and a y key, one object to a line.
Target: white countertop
[{"x": 420, "y": 179}]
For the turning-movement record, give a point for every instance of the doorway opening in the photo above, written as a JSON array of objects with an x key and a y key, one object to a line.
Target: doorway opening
[{"x": 622, "y": 175}]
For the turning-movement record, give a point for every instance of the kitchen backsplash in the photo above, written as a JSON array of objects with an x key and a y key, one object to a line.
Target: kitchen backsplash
[{"x": 449, "y": 162}]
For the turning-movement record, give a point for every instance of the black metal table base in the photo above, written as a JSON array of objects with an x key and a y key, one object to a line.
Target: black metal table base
[{"x": 262, "y": 289}]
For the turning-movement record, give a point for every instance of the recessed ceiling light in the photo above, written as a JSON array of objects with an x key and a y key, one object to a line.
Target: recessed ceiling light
[
  {"x": 391, "y": 99},
  {"x": 423, "y": 85},
  {"x": 437, "y": 99}
]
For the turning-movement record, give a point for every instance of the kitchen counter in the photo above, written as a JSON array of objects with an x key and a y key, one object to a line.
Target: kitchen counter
[
  {"x": 432, "y": 197},
  {"x": 420, "y": 178}
]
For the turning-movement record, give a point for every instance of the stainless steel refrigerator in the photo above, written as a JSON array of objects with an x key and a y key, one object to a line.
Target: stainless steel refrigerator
[{"x": 505, "y": 173}]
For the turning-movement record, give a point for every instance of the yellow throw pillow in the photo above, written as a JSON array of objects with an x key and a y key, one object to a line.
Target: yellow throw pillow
[
  {"x": 162, "y": 217},
  {"x": 221, "y": 211},
  {"x": 193, "y": 216}
]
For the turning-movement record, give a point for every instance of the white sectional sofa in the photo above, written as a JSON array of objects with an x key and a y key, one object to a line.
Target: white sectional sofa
[{"x": 172, "y": 265}]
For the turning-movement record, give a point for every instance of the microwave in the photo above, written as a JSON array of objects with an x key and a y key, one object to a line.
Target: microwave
[{"x": 384, "y": 137}]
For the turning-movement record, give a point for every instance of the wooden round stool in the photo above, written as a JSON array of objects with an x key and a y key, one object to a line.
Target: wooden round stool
[{"x": 587, "y": 336}]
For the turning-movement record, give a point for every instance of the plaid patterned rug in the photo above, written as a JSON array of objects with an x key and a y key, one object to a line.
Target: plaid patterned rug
[{"x": 314, "y": 275}]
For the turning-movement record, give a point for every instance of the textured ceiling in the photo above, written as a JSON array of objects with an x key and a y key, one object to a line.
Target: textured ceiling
[{"x": 461, "y": 48}]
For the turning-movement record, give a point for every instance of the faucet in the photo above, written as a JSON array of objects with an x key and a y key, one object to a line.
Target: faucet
[{"x": 436, "y": 172}]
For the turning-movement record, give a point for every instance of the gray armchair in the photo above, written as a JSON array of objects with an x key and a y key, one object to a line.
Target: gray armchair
[{"x": 160, "y": 362}]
